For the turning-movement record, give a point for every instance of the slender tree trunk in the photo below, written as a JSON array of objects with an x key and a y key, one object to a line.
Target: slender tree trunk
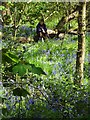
[
  {"x": 88, "y": 56},
  {"x": 81, "y": 43},
  {"x": 15, "y": 30},
  {"x": 67, "y": 19},
  {"x": 88, "y": 16}
]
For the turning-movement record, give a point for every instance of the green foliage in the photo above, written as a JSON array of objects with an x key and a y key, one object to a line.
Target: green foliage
[
  {"x": 36, "y": 70},
  {"x": 38, "y": 77},
  {"x": 2, "y": 7},
  {"x": 52, "y": 95},
  {"x": 8, "y": 56},
  {"x": 20, "y": 69},
  {"x": 20, "y": 92}
]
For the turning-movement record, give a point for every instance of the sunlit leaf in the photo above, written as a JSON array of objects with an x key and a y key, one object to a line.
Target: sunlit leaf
[
  {"x": 9, "y": 57},
  {"x": 2, "y": 8},
  {"x": 20, "y": 69},
  {"x": 36, "y": 70},
  {"x": 13, "y": 57}
]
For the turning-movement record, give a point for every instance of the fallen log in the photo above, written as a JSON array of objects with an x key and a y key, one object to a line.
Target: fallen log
[{"x": 49, "y": 31}]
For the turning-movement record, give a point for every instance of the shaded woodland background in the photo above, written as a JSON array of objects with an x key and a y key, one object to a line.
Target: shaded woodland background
[{"x": 45, "y": 80}]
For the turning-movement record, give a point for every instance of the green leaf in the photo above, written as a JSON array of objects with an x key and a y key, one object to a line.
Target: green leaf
[
  {"x": 6, "y": 58},
  {"x": 2, "y": 8},
  {"x": 37, "y": 70},
  {"x": 20, "y": 69},
  {"x": 13, "y": 57},
  {"x": 20, "y": 92},
  {"x": 9, "y": 57}
]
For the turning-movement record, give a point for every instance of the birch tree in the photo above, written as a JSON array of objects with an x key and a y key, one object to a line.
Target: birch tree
[{"x": 81, "y": 43}]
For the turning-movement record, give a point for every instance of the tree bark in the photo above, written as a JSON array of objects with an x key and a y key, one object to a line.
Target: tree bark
[
  {"x": 88, "y": 16},
  {"x": 81, "y": 43},
  {"x": 66, "y": 19}
]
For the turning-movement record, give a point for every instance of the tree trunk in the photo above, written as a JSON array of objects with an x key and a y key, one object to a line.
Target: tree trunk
[
  {"x": 67, "y": 18},
  {"x": 88, "y": 55},
  {"x": 88, "y": 16},
  {"x": 81, "y": 43}
]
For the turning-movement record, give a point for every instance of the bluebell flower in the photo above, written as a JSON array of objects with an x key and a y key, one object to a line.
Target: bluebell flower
[
  {"x": 70, "y": 108},
  {"x": 48, "y": 52},
  {"x": 27, "y": 107},
  {"x": 74, "y": 55},
  {"x": 7, "y": 106},
  {"x": 31, "y": 101},
  {"x": 43, "y": 51},
  {"x": 6, "y": 94},
  {"x": 1, "y": 27},
  {"x": 60, "y": 64},
  {"x": 16, "y": 97},
  {"x": 13, "y": 107},
  {"x": 54, "y": 109},
  {"x": 9, "y": 97},
  {"x": 1, "y": 84},
  {"x": 23, "y": 27},
  {"x": 54, "y": 72},
  {"x": 73, "y": 41},
  {"x": 55, "y": 66},
  {"x": 38, "y": 86},
  {"x": 62, "y": 55},
  {"x": 61, "y": 108},
  {"x": 18, "y": 100}
]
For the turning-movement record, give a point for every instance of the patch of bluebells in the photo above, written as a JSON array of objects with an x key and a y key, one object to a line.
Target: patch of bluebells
[
  {"x": 6, "y": 94},
  {"x": 24, "y": 31},
  {"x": 43, "y": 51},
  {"x": 9, "y": 98},
  {"x": 25, "y": 28},
  {"x": 48, "y": 52},
  {"x": 17, "y": 99},
  {"x": 1, "y": 27},
  {"x": 1, "y": 83},
  {"x": 55, "y": 102},
  {"x": 55, "y": 105},
  {"x": 8, "y": 106},
  {"x": 31, "y": 101},
  {"x": 59, "y": 64},
  {"x": 74, "y": 56},
  {"x": 14, "y": 107},
  {"x": 54, "y": 72},
  {"x": 62, "y": 55},
  {"x": 27, "y": 107}
]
